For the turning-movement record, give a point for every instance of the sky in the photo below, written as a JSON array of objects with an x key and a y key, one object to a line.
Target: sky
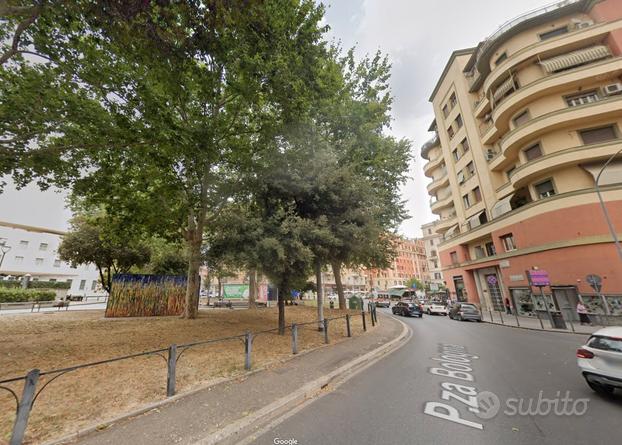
[{"x": 418, "y": 35}]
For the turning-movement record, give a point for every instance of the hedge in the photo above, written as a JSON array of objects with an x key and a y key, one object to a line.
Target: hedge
[
  {"x": 48, "y": 285},
  {"x": 10, "y": 284},
  {"x": 24, "y": 295}
]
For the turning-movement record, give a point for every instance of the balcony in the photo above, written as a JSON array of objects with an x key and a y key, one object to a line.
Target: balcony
[
  {"x": 445, "y": 223},
  {"x": 425, "y": 148},
  {"x": 437, "y": 205},
  {"x": 566, "y": 117},
  {"x": 582, "y": 154},
  {"x": 439, "y": 182},
  {"x": 432, "y": 164},
  {"x": 593, "y": 33}
]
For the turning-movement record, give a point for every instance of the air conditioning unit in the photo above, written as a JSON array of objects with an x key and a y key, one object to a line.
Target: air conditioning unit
[
  {"x": 489, "y": 155},
  {"x": 580, "y": 24},
  {"x": 612, "y": 89}
]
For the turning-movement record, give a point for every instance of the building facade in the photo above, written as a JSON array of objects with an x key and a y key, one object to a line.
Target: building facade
[
  {"x": 432, "y": 239},
  {"x": 29, "y": 250},
  {"x": 524, "y": 122},
  {"x": 410, "y": 261}
]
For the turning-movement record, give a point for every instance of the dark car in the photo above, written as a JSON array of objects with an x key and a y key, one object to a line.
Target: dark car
[
  {"x": 465, "y": 311},
  {"x": 408, "y": 309}
]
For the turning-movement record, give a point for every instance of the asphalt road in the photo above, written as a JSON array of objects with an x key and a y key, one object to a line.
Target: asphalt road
[{"x": 385, "y": 403}]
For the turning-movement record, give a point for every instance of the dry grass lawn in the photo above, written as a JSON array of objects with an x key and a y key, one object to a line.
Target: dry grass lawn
[{"x": 55, "y": 340}]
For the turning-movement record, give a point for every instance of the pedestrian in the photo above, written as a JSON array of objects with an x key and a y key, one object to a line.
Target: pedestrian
[
  {"x": 508, "y": 306},
  {"x": 582, "y": 311}
]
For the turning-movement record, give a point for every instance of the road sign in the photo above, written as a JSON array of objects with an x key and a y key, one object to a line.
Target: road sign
[
  {"x": 595, "y": 281},
  {"x": 539, "y": 278}
]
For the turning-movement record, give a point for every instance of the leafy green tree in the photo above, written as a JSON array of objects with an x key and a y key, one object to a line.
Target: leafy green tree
[
  {"x": 151, "y": 108},
  {"x": 94, "y": 239},
  {"x": 415, "y": 283},
  {"x": 167, "y": 258}
]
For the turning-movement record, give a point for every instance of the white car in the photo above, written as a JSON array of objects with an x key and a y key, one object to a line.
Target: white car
[
  {"x": 434, "y": 307},
  {"x": 600, "y": 360}
]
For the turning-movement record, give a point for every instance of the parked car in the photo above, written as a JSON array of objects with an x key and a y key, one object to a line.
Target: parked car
[
  {"x": 383, "y": 303},
  {"x": 435, "y": 307},
  {"x": 465, "y": 311},
  {"x": 600, "y": 360},
  {"x": 407, "y": 309}
]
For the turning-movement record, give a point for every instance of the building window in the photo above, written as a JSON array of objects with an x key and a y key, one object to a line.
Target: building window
[
  {"x": 19, "y": 259},
  {"x": 501, "y": 58},
  {"x": 508, "y": 242},
  {"x": 450, "y": 132},
  {"x": 456, "y": 154},
  {"x": 452, "y": 100},
  {"x": 459, "y": 122},
  {"x": 521, "y": 118},
  {"x": 43, "y": 247},
  {"x": 56, "y": 263},
  {"x": 465, "y": 145},
  {"x": 477, "y": 194},
  {"x": 94, "y": 285},
  {"x": 596, "y": 135},
  {"x": 533, "y": 152},
  {"x": 479, "y": 252},
  {"x": 554, "y": 33},
  {"x": 454, "y": 257},
  {"x": 545, "y": 189},
  {"x": 490, "y": 249},
  {"x": 510, "y": 171},
  {"x": 437, "y": 276},
  {"x": 23, "y": 244},
  {"x": 470, "y": 168},
  {"x": 39, "y": 261},
  {"x": 582, "y": 99},
  {"x": 82, "y": 284},
  {"x": 466, "y": 201},
  {"x": 69, "y": 281}
]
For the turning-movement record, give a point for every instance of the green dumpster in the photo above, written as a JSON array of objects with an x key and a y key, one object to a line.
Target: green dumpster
[{"x": 355, "y": 303}]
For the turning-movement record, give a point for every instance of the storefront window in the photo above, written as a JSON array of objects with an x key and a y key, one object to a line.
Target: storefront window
[
  {"x": 539, "y": 301},
  {"x": 522, "y": 301}
]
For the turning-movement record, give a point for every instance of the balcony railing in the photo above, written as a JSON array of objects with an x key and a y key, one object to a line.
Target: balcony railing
[{"x": 515, "y": 21}]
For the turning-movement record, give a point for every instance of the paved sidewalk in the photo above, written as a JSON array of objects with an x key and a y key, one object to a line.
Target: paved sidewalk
[
  {"x": 193, "y": 417},
  {"x": 533, "y": 323}
]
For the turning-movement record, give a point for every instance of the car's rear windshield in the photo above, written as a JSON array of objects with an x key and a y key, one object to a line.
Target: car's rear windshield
[
  {"x": 468, "y": 306},
  {"x": 606, "y": 343}
]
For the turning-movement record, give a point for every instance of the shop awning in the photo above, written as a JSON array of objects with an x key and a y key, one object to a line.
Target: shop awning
[
  {"x": 451, "y": 231},
  {"x": 474, "y": 220},
  {"x": 575, "y": 58},
  {"x": 502, "y": 206},
  {"x": 503, "y": 89},
  {"x": 610, "y": 175}
]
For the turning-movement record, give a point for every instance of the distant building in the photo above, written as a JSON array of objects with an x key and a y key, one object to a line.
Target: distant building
[
  {"x": 410, "y": 261},
  {"x": 33, "y": 251},
  {"x": 524, "y": 122},
  {"x": 431, "y": 241}
]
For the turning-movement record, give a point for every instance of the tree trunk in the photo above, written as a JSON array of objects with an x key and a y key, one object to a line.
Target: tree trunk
[
  {"x": 208, "y": 285},
  {"x": 252, "y": 288},
  {"x": 194, "y": 238},
  {"x": 219, "y": 287},
  {"x": 320, "y": 294},
  {"x": 337, "y": 274},
  {"x": 281, "y": 292}
]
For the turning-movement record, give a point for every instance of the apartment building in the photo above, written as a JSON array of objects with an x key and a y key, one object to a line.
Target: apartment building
[
  {"x": 431, "y": 240},
  {"x": 30, "y": 250},
  {"x": 410, "y": 261},
  {"x": 524, "y": 123}
]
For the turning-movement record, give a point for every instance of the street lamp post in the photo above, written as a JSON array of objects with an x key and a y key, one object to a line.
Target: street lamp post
[{"x": 604, "y": 207}]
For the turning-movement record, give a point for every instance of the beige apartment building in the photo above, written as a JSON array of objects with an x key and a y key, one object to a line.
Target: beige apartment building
[
  {"x": 524, "y": 122},
  {"x": 432, "y": 239}
]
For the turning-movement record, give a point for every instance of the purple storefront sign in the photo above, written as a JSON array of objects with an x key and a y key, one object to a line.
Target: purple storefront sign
[{"x": 539, "y": 278}]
